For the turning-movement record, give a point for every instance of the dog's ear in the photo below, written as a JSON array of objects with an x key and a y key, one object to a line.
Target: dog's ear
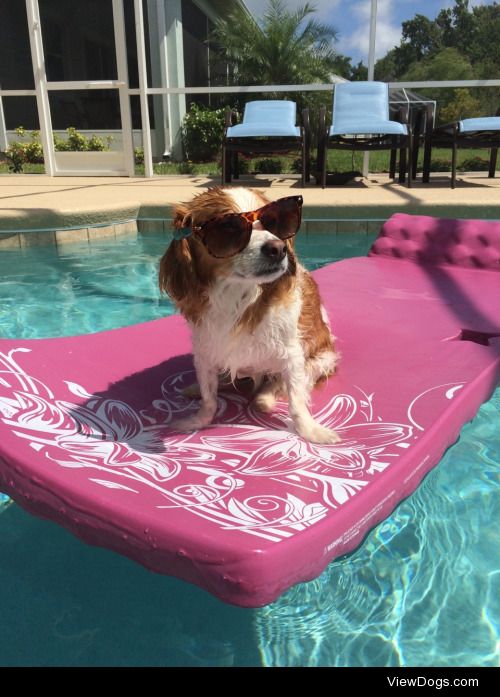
[
  {"x": 292, "y": 259},
  {"x": 178, "y": 276},
  {"x": 182, "y": 217},
  {"x": 176, "y": 270},
  {"x": 176, "y": 265}
]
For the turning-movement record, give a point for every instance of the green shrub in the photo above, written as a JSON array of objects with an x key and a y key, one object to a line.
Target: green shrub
[
  {"x": 31, "y": 152},
  {"x": 475, "y": 164},
  {"x": 74, "y": 141},
  {"x": 21, "y": 152},
  {"x": 139, "y": 156},
  {"x": 186, "y": 167},
  {"x": 97, "y": 144},
  {"x": 440, "y": 165},
  {"x": 78, "y": 142},
  {"x": 296, "y": 166},
  {"x": 268, "y": 166},
  {"x": 16, "y": 154},
  {"x": 243, "y": 164},
  {"x": 34, "y": 150},
  {"x": 202, "y": 131}
]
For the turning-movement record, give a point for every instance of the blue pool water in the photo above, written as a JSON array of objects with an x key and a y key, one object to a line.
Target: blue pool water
[{"x": 423, "y": 589}]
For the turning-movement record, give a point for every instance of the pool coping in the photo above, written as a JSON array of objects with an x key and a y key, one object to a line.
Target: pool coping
[{"x": 37, "y": 209}]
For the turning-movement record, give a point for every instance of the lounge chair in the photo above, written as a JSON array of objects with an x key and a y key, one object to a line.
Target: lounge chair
[
  {"x": 268, "y": 127},
  {"x": 361, "y": 122},
  {"x": 467, "y": 133}
]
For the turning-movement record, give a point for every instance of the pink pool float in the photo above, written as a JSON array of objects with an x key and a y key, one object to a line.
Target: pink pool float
[{"x": 246, "y": 508}]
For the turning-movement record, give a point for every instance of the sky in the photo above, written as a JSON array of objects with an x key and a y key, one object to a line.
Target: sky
[{"x": 351, "y": 19}]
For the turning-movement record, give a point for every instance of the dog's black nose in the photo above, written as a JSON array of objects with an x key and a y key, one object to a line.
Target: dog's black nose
[{"x": 274, "y": 249}]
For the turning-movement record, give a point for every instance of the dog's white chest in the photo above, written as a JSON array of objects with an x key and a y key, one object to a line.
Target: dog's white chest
[{"x": 263, "y": 349}]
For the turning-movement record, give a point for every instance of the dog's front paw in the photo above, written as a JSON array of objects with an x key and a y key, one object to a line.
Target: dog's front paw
[
  {"x": 264, "y": 402},
  {"x": 315, "y": 433}
]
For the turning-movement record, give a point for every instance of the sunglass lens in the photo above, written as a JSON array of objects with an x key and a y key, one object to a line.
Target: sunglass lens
[
  {"x": 282, "y": 218},
  {"x": 227, "y": 236}
]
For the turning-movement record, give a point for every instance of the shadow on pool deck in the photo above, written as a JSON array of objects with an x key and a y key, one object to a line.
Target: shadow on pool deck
[{"x": 39, "y": 201}]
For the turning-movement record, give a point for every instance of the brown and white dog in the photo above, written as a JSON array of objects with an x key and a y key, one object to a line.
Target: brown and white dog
[{"x": 256, "y": 313}]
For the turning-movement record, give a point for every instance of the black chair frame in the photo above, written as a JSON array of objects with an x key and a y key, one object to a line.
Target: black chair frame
[
  {"x": 264, "y": 145},
  {"x": 449, "y": 136},
  {"x": 394, "y": 143}
]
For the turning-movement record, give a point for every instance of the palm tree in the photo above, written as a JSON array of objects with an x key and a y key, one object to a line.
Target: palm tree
[{"x": 283, "y": 47}]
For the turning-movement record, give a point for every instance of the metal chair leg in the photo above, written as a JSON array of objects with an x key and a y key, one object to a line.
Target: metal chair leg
[
  {"x": 493, "y": 162},
  {"x": 223, "y": 166},
  {"x": 304, "y": 164},
  {"x": 402, "y": 165},
  {"x": 426, "y": 169},
  {"x": 306, "y": 158},
  {"x": 324, "y": 163},
  {"x": 226, "y": 166},
  {"x": 412, "y": 165},
  {"x": 414, "y": 157},
  {"x": 392, "y": 163},
  {"x": 454, "y": 164}
]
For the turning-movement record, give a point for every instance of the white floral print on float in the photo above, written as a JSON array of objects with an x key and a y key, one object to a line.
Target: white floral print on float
[{"x": 255, "y": 477}]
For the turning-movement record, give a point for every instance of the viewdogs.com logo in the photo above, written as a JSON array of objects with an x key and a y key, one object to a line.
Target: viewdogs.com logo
[{"x": 437, "y": 683}]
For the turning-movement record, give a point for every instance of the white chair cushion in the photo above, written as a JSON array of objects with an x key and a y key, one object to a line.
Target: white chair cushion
[
  {"x": 363, "y": 108},
  {"x": 489, "y": 123},
  {"x": 371, "y": 127},
  {"x": 267, "y": 117},
  {"x": 243, "y": 130}
]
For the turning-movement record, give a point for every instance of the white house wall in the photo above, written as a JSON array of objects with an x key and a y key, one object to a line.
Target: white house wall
[{"x": 167, "y": 68}]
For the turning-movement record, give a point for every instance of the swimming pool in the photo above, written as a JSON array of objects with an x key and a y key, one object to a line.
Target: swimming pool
[{"x": 421, "y": 590}]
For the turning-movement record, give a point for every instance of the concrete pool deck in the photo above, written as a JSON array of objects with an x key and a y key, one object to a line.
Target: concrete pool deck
[{"x": 37, "y": 202}]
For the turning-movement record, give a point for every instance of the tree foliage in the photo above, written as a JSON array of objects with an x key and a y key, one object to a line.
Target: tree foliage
[
  {"x": 202, "y": 131},
  {"x": 473, "y": 32},
  {"x": 460, "y": 44},
  {"x": 287, "y": 47},
  {"x": 283, "y": 47},
  {"x": 462, "y": 106}
]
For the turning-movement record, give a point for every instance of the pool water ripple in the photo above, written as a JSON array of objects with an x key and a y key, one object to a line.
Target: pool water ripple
[{"x": 422, "y": 590}]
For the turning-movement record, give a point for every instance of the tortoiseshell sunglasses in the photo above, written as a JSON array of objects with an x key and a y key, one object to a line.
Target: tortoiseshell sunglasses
[{"x": 227, "y": 235}]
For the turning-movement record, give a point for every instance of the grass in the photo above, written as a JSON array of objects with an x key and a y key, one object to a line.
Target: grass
[
  {"x": 28, "y": 169},
  {"x": 338, "y": 161}
]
